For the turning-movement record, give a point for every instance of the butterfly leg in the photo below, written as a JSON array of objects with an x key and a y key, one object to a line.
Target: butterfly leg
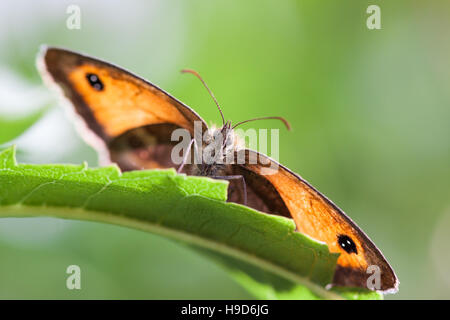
[
  {"x": 188, "y": 151},
  {"x": 236, "y": 177}
]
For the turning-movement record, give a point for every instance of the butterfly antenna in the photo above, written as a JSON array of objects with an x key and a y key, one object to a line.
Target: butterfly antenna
[
  {"x": 286, "y": 123},
  {"x": 195, "y": 73}
]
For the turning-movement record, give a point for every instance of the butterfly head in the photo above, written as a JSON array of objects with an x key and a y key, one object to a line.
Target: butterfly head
[
  {"x": 227, "y": 135},
  {"x": 220, "y": 141}
]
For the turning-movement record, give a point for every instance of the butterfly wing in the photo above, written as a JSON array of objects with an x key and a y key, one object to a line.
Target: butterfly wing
[
  {"x": 128, "y": 119},
  {"x": 274, "y": 189}
]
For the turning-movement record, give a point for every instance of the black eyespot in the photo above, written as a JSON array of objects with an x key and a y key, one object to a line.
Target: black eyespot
[
  {"x": 347, "y": 244},
  {"x": 94, "y": 81}
]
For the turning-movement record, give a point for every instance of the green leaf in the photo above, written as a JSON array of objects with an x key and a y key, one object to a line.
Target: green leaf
[
  {"x": 11, "y": 128},
  {"x": 263, "y": 252}
]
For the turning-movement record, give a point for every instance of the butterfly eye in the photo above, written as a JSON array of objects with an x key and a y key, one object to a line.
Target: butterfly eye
[
  {"x": 94, "y": 81},
  {"x": 347, "y": 244}
]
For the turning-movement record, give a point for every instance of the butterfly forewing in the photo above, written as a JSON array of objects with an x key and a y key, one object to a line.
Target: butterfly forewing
[{"x": 114, "y": 104}]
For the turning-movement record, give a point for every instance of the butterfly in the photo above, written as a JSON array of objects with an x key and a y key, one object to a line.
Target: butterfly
[{"x": 130, "y": 122}]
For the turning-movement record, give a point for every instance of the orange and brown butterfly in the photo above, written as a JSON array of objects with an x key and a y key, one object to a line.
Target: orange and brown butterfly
[{"x": 130, "y": 122}]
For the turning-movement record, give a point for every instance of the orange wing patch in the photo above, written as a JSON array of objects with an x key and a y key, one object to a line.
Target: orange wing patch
[
  {"x": 123, "y": 104},
  {"x": 316, "y": 218}
]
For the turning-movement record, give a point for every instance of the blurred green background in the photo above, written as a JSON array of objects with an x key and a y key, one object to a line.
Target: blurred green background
[{"x": 369, "y": 110}]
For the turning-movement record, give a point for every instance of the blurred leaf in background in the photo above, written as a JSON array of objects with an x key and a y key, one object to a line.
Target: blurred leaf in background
[
  {"x": 369, "y": 110},
  {"x": 12, "y": 128}
]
